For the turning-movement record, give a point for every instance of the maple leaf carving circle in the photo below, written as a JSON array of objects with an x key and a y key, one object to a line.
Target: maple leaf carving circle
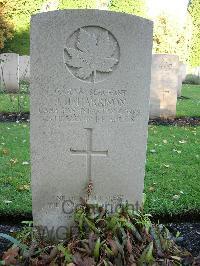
[{"x": 92, "y": 53}]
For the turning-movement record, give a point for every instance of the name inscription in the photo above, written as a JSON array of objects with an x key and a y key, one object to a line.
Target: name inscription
[
  {"x": 92, "y": 105},
  {"x": 166, "y": 65}
]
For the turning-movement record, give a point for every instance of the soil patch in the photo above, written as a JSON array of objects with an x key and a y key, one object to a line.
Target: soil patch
[
  {"x": 189, "y": 235},
  {"x": 14, "y": 117},
  {"x": 181, "y": 121},
  {"x": 9, "y": 230}
]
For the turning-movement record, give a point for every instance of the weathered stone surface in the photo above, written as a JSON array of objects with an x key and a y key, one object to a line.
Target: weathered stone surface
[
  {"x": 9, "y": 72},
  {"x": 90, "y": 78},
  {"x": 24, "y": 67},
  {"x": 164, "y": 85}
]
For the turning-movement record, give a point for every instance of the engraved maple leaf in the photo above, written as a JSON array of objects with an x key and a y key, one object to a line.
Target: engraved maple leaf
[{"x": 92, "y": 54}]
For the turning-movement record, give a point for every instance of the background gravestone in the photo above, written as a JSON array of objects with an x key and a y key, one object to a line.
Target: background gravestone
[
  {"x": 24, "y": 67},
  {"x": 164, "y": 85},
  {"x": 9, "y": 72},
  {"x": 183, "y": 70},
  {"x": 179, "y": 81},
  {"x": 154, "y": 92},
  {"x": 181, "y": 77},
  {"x": 90, "y": 78}
]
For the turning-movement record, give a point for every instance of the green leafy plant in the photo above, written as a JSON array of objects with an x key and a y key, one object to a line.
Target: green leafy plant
[
  {"x": 65, "y": 252},
  {"x": 136, "y": 7},
  {"x": 126, "y": 237}
]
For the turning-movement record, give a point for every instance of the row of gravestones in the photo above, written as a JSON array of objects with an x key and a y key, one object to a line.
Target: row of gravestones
[
  {"x": 13, "y": 68},
  {"x": 167, "y": 74}
]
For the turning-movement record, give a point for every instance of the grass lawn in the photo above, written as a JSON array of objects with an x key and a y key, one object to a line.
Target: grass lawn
[
  {"x": 14, "y": 103},
  {"x": 14, "y": 168},
  {"x": 172, "y": 170},
  {"x": 189, "y": 107}
]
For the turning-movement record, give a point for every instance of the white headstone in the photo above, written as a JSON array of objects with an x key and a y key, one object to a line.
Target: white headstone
[
  {"x": 9, "y": 72},
  {"x": 154, "y": 92},
  {"x": 181, "y": 77},
  {"x": 183, "y": 70},
  {"x": 179, "y": 81},
  {"x": 24, "y": 67},
  {"x": 90, "y": 78},
  {"x": 102, "y": 4},
  {"x": 164, "y": 85},
  {"x": 49, "y": 6}
]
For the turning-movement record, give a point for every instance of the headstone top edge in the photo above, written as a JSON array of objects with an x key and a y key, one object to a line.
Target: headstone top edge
[{"x": 92, "y": 11}]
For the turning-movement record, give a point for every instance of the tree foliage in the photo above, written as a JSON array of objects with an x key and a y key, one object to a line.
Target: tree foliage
[
  {"x": 170, "y": 37},
  {"x": 19, "y": 13},
  {"x": 194, "y": 10},
  {"x": 6, "y": 26},
  {"x": 64, "y": 4},
  {"x": 136, "y": 7}
]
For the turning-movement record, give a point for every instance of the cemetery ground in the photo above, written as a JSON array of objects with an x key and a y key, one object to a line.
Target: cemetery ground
[
  {"x": 189, "y": 103},
  {"x": 172, "y": 168}
]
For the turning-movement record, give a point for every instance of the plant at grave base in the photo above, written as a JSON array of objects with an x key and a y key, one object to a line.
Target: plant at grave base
[
  {"x": 26, "y": 234},
  {"x": 126, "y": 237}
]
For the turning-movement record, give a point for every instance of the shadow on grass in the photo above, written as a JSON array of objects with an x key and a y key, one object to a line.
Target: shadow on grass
[{"x": 184, "y": 98}]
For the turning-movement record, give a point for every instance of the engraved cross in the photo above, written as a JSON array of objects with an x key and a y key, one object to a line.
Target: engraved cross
[
  {"x": 88, "y": 152},
  {"x": 164, "y": 92}
]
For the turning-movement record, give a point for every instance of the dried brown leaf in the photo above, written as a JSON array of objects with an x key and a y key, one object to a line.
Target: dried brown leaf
[
  {"x": 113, "y": 246},
  {"x": 129, "y": 246},
  {"x": 5, "y": 151},
  {"x": 83, "y": 261},
  {"x": 10, "y": 255}
]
